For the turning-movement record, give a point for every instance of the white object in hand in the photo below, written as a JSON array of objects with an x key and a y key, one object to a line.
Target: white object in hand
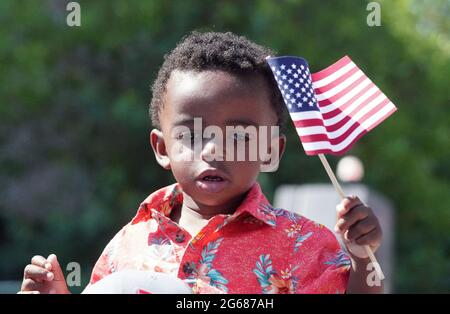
[{"x": 131, "y": 281}]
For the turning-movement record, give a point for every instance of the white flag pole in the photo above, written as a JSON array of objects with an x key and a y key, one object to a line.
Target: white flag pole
[{"x": 339, "y": 190}]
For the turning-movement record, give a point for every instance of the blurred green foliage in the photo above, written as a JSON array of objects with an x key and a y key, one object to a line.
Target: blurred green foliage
[{"x": 74, "y": 155}]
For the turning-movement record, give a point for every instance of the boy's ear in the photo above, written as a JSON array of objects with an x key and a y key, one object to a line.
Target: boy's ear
[
  {"x": 159, "y": 148},
  {"x": 276, "y": 152}
]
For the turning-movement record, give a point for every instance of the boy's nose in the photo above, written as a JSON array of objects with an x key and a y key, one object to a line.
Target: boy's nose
[{"x": 212, "y": 150}]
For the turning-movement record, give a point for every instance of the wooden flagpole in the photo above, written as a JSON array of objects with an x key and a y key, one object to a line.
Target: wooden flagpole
[{"x": 339, "y": 190}]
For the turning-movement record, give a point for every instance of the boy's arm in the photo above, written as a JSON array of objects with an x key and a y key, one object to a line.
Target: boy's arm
[
  {"x": 358, "y": 224},
  {"x": 358, "y": 280}
]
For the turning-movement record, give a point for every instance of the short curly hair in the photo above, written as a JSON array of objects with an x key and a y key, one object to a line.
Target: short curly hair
[{"x": 216, "y": 51}]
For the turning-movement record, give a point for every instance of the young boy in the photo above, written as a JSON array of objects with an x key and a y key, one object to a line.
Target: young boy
[{"x": 214, "y": 228}]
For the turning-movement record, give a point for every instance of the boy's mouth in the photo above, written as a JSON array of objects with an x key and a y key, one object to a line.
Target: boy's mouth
[
  {"x": 212, "y": 178},
  {"x": 212, "y": 181}
]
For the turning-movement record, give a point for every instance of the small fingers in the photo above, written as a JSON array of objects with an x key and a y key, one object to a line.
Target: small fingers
[
  {"x": 357, "y": 213},
  {"x": 360, "y": 228},
  {"x": 41, "y": 261},
  {"x": 347, "y": 204},
  {"x": 372, "y": 238},
  {"x": 37, "y": 273},
  {"x": 57, "y": 271},
  {"x": 31, "y": 285}
]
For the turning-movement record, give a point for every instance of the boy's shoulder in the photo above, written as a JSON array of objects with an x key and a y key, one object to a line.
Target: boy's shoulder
[
  {"x": 290, "y": 221},
  {"x": 292, "y": 216}
]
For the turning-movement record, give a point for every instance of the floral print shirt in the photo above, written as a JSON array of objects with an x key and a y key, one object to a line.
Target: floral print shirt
[{"x": 258, "y": 249}]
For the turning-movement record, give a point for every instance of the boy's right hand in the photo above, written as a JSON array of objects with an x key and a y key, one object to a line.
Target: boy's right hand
[{"x": 44, "y": 276}]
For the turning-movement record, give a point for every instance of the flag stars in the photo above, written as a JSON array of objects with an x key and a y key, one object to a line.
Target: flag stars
[{"x": 294, "y": 80}]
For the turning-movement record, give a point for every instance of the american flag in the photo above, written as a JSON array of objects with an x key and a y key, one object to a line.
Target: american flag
[{"x": 333, "y": 108}]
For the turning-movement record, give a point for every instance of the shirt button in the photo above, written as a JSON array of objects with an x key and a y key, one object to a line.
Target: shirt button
[
  {"x": 187, "y": 268},
  {"x": 180, "y": 237}
]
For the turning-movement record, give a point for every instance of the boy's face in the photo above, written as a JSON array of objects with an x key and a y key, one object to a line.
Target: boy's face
[{"x": 220, "y": 99}]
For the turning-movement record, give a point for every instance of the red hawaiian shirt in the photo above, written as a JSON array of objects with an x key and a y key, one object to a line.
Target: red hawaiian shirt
[{"x": 258, "y": 249}]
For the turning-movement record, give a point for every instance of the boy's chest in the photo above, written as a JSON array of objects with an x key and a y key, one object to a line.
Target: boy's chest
[{"x": 246, "y": 256}]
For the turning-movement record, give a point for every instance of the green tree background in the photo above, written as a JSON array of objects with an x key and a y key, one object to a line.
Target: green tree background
[{"x": 74, "y": 155}]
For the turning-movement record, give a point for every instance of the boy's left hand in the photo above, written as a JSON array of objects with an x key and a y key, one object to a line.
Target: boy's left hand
[{"x": 357, "y": 224}]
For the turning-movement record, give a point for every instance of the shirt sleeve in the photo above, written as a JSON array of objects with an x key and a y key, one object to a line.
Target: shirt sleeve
[{"x": 327, "y": 264}]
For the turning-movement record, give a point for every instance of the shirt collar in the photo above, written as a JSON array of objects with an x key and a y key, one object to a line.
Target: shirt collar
[{"x": 164, "y": 200}]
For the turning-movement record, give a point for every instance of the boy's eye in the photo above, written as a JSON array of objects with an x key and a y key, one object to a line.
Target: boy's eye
[
  {"x": 186, "y": 136},
  {"x": 180, "y": 136}
]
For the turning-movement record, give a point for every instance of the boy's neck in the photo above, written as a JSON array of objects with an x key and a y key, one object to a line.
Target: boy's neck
[
  {"x": 193, "y": 216},
  {"x": 201, "y": 211}
]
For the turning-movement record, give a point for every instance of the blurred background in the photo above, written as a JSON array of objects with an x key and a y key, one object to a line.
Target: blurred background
[{"x": 75, "y": 161}]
